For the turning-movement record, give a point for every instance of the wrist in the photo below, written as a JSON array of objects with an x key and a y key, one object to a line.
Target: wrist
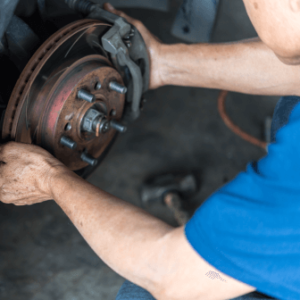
[
  {"x": 60, "y": 176},
  {"x": 158, "y": 65},
  {"x": 168, "y": 63},
  {"x": 156, "y": 53}
]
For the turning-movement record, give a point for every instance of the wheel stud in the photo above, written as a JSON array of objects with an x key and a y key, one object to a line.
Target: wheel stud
[
  {"x": 84, "y": 95},
  {"x": 65, "y": 141},
  {"x": 89, "y": 159},
  {"x": 117, "y": 87},
  {"x": 117, "y": 126}
]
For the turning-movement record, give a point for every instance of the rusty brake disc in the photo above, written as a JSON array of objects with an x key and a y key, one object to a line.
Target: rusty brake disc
[{"x": 66, "y": 85}]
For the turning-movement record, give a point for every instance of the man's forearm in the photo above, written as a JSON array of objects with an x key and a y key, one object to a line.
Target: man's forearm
[
  {"x": 138, "y": 246},
  {"x": 123, "y": 235},
  {"x": 248, "y": 67}
]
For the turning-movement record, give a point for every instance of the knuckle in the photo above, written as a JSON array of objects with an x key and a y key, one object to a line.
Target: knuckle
[
  {"x": 7, "y": 147},
  {"x": 9, "y": 144},
  {"x": 4, "y": 199}
]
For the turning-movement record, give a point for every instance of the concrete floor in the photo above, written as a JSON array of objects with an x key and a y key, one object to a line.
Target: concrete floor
[{"x": 43, "y": 257}]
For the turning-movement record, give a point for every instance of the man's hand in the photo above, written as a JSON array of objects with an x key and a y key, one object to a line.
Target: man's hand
[
  {"x": 152, "y": 42},
  {"x": 25, "y": 174}
]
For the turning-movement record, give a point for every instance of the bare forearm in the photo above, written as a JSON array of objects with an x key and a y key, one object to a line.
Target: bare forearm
[
  {"x": 247, "y": 67},
  {"x": 138, "y": 246},
  {"x": 121, "y": 234},
  {"x": 135, "y": 244}
]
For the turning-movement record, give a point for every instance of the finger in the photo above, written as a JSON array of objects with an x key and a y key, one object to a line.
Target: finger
[
  {"x": 29, "y": 201},
  {"x": 107, "y": 6}
]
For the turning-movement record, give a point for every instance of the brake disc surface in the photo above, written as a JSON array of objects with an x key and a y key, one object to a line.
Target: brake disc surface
[{"x": 45, "y": 108}]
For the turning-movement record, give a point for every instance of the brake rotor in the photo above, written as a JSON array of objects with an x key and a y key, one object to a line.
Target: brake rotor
[{"x": 45, "y": 106}]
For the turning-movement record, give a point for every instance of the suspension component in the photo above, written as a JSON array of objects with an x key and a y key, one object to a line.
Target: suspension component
[{"x": 83, "y": 60}]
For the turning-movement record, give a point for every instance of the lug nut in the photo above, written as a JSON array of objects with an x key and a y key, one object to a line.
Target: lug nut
[
  {"x": 84, "y": 95},
  {"x": 65, "y": 141},
  {"x": 89, "y": 159},
  {"x": 117, "y": 126},
  {"x": 117, "y": 87}
]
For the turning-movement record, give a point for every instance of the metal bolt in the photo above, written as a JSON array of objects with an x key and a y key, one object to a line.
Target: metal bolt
[
  {"x": 89, "y": 159},
  {"x": 90, "y": 120},
  {"x": 117, "y": 126},
  {"x": 65, "y": 141},
  {"x": 98, "y": 86},
  {"x": 84, "y": 95},
  {"x": 117, "y": 87}
]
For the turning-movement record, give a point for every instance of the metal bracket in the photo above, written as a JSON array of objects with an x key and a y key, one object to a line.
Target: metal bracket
[{"x": 112, "y": 42}]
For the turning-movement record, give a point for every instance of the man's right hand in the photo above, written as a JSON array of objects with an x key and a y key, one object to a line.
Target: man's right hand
[
  {"x": 26, "y": 173},
  {"x": 152, "y": 42}
]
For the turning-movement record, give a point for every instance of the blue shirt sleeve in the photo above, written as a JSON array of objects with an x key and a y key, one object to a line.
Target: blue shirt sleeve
[{"x": 250, "y": 228}]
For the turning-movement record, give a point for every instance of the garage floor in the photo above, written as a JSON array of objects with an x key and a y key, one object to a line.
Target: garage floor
[{"x": 43, "y": 257}]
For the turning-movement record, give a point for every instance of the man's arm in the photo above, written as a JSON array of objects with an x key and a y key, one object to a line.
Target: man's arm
[
  {"x": 135, "y": 244},
  {"x": 247, "y": 66},
  {"x": 138, "y": 246}
]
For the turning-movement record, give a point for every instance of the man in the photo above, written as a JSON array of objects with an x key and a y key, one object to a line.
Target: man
[{"x": 247, "y": 235}]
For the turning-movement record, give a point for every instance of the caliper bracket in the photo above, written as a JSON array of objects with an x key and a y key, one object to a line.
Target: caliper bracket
[{"x": 113, "y": 43}]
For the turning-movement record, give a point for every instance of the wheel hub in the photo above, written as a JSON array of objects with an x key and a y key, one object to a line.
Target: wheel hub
[{"x": 69, "y": 98}]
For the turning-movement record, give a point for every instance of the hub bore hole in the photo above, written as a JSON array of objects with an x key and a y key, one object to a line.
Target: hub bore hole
[
  {"x": 68, "y": 127},
  {"x": 98, "y": 86},
  {"x": 113, "y": 113}
]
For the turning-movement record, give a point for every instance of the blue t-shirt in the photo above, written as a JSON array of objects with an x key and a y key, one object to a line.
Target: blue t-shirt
[{"x": 250, "y": 228}]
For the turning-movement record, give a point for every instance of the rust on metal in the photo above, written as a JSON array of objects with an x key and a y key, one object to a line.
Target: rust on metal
[{"x": 44, "y": 105}]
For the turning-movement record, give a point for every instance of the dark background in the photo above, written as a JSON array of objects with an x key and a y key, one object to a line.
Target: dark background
[{"x": 43, "y": 257}]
